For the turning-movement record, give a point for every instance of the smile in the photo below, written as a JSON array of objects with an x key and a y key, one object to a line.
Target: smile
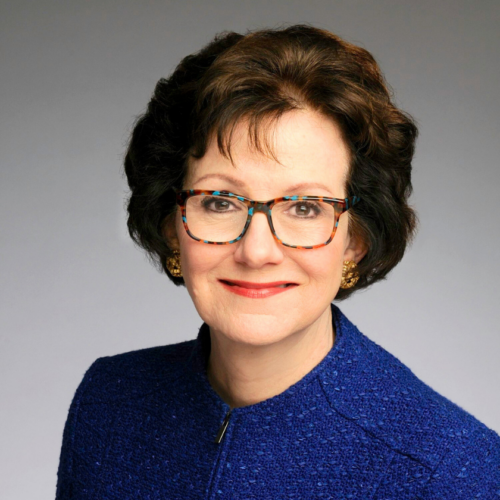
[{"x": 256, "y": 290}]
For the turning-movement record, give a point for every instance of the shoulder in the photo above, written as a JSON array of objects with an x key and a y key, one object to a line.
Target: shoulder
[
  {"x": 134, "y": 373},
  {"x": 109, "y": 381},
  {"x": 392, "y": 404}
]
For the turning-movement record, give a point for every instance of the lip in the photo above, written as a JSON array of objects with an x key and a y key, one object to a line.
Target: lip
[
  {"x": 256, "y": 290},
  {"x": 249, "y": 284}
]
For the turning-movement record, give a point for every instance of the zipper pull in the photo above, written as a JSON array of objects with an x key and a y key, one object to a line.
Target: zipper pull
[{"x": 223, "y": 427}]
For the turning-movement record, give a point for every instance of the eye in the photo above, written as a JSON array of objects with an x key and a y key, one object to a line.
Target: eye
[
  {"x": 304, "y": 209},
  {"x": 216, "y": 204}
]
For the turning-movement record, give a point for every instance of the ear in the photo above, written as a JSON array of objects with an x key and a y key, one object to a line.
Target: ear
[
  {"x": 170, "y": 232},
  {"x": 356, "y": 249}
]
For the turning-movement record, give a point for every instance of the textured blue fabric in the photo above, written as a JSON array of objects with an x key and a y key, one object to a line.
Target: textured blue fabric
[{"x": 360, "y": 425}]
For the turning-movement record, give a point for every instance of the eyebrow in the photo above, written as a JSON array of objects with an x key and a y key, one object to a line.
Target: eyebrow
[{"x": 296, "y": 188}]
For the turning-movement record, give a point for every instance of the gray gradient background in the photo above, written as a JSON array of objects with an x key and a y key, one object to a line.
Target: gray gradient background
[{"x": 74, "y": 75}]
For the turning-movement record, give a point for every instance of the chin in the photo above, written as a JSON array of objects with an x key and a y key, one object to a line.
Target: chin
[{"x": 253, "y": 328}]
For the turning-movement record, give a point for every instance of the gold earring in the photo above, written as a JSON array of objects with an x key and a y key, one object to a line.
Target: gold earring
[
  {"x": 174, "y": 264},
  {"x": 350, "y": 275}
]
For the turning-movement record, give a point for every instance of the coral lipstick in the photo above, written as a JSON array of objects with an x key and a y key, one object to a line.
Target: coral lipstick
[{"x": 256, "y": 290}]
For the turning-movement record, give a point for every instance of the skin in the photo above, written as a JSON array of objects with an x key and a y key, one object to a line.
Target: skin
[{"x": 260, "y": 347}]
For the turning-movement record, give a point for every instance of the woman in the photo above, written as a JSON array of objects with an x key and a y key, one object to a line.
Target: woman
[{"x": 270, "y": 175}]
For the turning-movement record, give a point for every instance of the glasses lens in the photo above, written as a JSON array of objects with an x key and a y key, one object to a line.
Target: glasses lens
[
  {"x": 217, "y": 219},
  {"x": 303, "y": 222}
]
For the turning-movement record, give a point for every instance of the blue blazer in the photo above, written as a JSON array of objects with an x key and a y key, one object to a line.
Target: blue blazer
[{"x": 148, "y": 425}]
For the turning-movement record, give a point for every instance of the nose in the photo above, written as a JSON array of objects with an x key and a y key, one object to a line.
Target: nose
[{"x": 258, "y": 246}]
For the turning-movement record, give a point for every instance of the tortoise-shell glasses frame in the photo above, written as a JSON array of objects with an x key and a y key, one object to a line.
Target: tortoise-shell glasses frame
[{"x": 340, "y": 206}]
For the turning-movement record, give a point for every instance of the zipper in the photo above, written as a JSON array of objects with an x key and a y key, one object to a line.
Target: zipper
[
  {"x": 212, "y": 485},
  {"x": 223, "y": 427}
]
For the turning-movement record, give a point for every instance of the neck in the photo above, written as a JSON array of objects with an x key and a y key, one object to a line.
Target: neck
[{"x": 245, "y": 374}]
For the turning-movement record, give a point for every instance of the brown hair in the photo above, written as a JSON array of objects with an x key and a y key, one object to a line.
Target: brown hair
[{"x": 258, "y": 77}]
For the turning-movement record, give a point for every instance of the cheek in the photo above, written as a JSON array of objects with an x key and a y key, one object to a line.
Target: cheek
[
  {"x": 324, "y": 265},
  {"x": 198, "y": 261}
]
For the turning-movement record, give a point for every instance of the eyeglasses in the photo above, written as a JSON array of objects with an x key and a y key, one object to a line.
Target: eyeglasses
[{"x": 222, "y": 218}]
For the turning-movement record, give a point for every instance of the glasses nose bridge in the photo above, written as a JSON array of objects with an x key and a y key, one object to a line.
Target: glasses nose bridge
[{"x": 259, "y": 206}]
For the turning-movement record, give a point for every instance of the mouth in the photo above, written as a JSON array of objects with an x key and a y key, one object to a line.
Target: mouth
[
  {"x": 257, "y": 286},
  {"x": 256, "y": 290}
]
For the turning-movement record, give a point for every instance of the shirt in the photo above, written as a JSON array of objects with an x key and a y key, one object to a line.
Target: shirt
[{"x": 148, "y": 425}]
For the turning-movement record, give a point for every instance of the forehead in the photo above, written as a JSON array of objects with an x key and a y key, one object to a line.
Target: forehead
[{"x": 306, "y": 148}]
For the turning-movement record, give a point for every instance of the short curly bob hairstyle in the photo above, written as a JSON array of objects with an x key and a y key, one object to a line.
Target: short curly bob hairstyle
[{"x": 260, "y": 76}]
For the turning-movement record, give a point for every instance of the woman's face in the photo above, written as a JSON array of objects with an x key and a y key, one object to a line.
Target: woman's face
[{"x": 312, "y": 155}]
